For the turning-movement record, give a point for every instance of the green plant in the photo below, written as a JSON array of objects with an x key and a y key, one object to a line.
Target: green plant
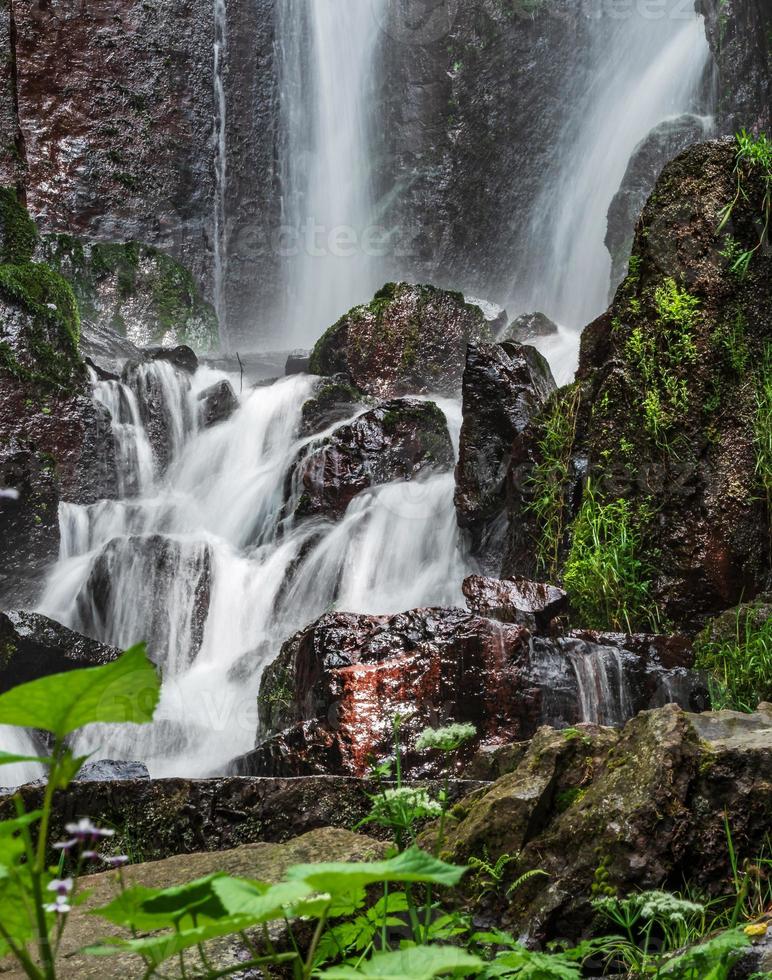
[
  {"x": 739, "y": 666},
  {"x": 762, "y": 427},
  {"x": 549, "y": 480},
  {"x": 608, "y": 573},
  {"x": 753, "y": 159}
]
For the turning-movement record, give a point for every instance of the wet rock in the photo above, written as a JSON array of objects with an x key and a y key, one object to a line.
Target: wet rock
[
  {"x": 160, "y": 567},
  {"x": 640, "y": 808},
  {"x": 335, "y": 399},
  {"x": 327, "y": 701},
  {"x": 530, "y": 604},
  {"x": 34, "y": 646},
  {"x": 108, "y": 770},
  {"x": 529, "y": 327},
  {"x": 504, "y": 387},
  {"x": 399, "y": 440},
  {"x": 664, "y": 142},
  {"x": 181, "y": 357},
  {"x": 408, "y": 340},
  {"x": 297, "y": 362},
  {"x": 106, "y": 351},
  {"x": 216, "y": 404}
]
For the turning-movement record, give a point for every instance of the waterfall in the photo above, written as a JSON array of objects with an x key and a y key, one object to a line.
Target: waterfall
[
  {"x": 220, "y": 165},
  {"x": 331, "y": 246},
  {"x": 205, "y": 567},
  {"x": 19, "y": 742},
  {"x": 643, "y": 66},
  {"x": 133, "y": 455},
  {"x": 604, "y": 695}
]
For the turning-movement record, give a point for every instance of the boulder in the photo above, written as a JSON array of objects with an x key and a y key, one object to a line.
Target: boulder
[
  {"x": 528, "y": 327},
  {"x": 504, "y": 386},
  {"x": 637, "y": 809},
  {"x": 33, "y": 646},
  {"x": 335, "y": 399},
  {"x": 297, "y": 362},
  {"x": 408, "y": 340},
  {"x": 108, "y": 770},
  {"x": 327, "y": 701},
  {"x": 216, "y": 404},
  {"x": 181, "y": 357},
  {"x": 531, "y": 604},
  {"x": 664, "y": 142},
  {"x": 399, "y": 440}
]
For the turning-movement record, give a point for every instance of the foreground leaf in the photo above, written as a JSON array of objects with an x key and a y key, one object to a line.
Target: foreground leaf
[
  {"x": 126, "y": 690},
  {"x": 419, "y": 963},
  {"x": 8, "y": 759},
  {"x": 161, "y": 908}
]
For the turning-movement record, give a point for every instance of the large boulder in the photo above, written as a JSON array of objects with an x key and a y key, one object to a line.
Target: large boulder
[
  {"x": 531, "y": 604},
  {"x": 529, "y": 327},
  {"x": 33, "y": 646},
  {"x": 327, "y": 701},
  {"x": 644, "y": 808},
  {"x": 408, "y": 340},
  {"x": 504, "y": 386},
  {"x": 664, "y": 423},
  {"x": 399, "y": 440}
]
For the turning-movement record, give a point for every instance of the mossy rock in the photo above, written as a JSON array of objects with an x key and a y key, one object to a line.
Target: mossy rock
[{"x": 18, "y": 234}]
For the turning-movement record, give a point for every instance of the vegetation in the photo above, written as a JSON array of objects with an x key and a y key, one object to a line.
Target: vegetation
[
  {"x": 762, "y": 428},
  {"x": 608, "y": 574},
  {"x": 754, "y": 161},
  {"x": 549, "y": 480},
  {"x": 18, "y": 234},
  {"x": 739, "y": 664}
]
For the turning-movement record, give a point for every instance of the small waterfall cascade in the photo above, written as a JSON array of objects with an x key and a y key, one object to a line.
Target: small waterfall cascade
[
  {"x": 643, "y": 67},
  {"x": 601, "y": 677},
  {"x": 220, "y": 166},
  {"x": 134, "y": 456},
  {"x": 19, "y": 742},
  {"x": 204, "y": 565},
  {"x": 331, "y": 242}
]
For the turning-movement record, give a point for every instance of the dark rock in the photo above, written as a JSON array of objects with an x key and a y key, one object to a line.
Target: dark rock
[
  {"x": 408, "y": 340},
  {"x": 528, "y": 327},
  {"x": 297, "y": 362},
  {"x": 182, "y": 357},
  {"x": 504, "y": 387},
  {"x": 325, "y": 704},
  {"x": 647, "y": 805},
  {"x": 530, "y": 604},
  {"x": 106, "y": 351},
  {"x": 335, "y": 399},
  {"x": 663, "y": 143},
  {"x": 107, "y": 770},
  {"x": 33, "y": 646},
  {"x": 217, "y": 404},
  {"x": 162, "y": 398},
  {"x": 156, "y": 566},
  {"x": 398, "y": 440}
]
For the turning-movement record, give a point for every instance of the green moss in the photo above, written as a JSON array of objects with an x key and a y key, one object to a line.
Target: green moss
[
  {"x": 18, "y": 234},
  {"x": 568, "y": 798}
]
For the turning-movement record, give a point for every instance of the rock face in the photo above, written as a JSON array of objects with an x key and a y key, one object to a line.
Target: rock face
[
  {"x": 662, "y": 144},
  {"x": 665, "y": 415},
  {"x": 335, "y": 399},
  {"x": 33, "y": 646},
  {"x": 504, "y": 386},
  {"x": 530, "y": 604},
  {"x": 325, "y": 704},
  {"x": 399, "y": 440},
  {"x": 643, "y": 808},
  {"x": 408, "y": 340}
]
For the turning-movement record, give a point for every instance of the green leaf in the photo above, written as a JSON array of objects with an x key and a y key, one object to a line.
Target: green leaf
[
  {"x": 418, "y": 963},
  {"x": 126, "y": 690},
  {"x": 413, "y": 865},
  {"x": 259, "y": 901},
  {"x": 159, "y": 908},
  {"x": 8, "y": 759},
  {"x": 527, "y": 965}
]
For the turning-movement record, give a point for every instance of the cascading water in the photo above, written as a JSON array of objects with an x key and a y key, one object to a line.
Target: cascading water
[
  {"x": 332, "y": 246},
  {"x": 643, "y": 66}
]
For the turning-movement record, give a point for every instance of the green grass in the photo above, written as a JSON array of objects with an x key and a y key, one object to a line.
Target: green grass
[
  {"x": 549, "y": 479},
  {"x": 762, "y": 428},
  {"x": 608, "y": 573},
  {"x": 754, "y": 160},
  {"x": 739, "y": 666}
]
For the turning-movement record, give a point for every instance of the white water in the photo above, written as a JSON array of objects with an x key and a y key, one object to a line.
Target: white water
[
  {"x": 644, "y": 66},
  {"x": 220, "y": 166},
  {"x": 604, "y": 695},
  {"x": 332, "y": 246},
  {"x": 19, "y": 742},
  {"x": 205, "y": 569}
]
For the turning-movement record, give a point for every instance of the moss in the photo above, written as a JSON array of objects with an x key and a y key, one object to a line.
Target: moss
[
  {"x": 18, "y": 234},
  {"x": 568, "y": 798}
]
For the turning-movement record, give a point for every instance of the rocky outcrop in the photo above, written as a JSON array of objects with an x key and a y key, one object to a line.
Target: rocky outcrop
[
  {"x": 325, "y": 704},
  {"x": 662, "y": 144},
  {"x": 644, "y": 808},
  {"x": 399, "y": 440},
  {"x": 504, "y": 386},
  {"x": 530, "y": 604},
  {"x": 33, "y": 646},
  {"x": 528, "y": 327},
  {"x": 216, "y": 404},
  {"x": 665, "y": 415},
  {"x": 335, "y": 399},
  {"x": 408, "y": 340}
]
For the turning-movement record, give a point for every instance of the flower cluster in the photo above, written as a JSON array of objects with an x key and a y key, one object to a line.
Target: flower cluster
[
  {"x": 446, "y": 739},
  {"x": 83, "y": 837},
  {"x": 62, "y": 887},
  {"x": 405, "y": 802}
]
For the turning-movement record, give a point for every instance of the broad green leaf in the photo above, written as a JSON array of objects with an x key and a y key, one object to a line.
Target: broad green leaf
[
  {"x": 259, "y": 901},
  {"x": 68, "y": 768},
  {"x": 419, "y": 963},
  {"x": 413, "y": 865},
  {"x": 160, "y": 908},
  {"x": 527, "y": 965},
  {"x": 124, "y": 691},
  {"x": 8, "y": 759}
]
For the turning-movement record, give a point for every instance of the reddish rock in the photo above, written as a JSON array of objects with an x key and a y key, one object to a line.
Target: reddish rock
[
  {"x": 531, "y": 604},
  {"x": 408, "y": 340},
  {"x": 398, "y": 440}
]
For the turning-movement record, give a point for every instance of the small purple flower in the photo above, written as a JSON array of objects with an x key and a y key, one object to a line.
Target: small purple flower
[
  {"x": 65, "y": 845},
  {"x": 90, "y": 855},
  {"x": 116, "y": 860},
  {"x": 62, "y": 887},
  {"x": 61, "y": 906},
  {"x": 84, "y": 830}
]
